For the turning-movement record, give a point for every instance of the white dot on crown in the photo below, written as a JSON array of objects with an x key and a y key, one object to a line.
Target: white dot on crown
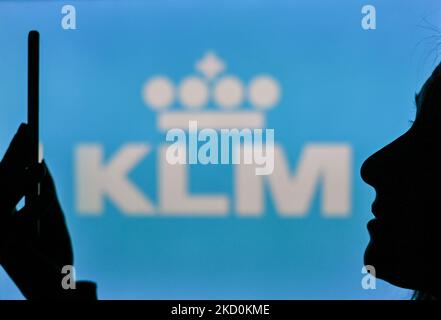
[
  {"x": 228, "y": 92},
  {"x": 263, "y": 92},
  {"x": 158, "y": 92},
  {"x": 193, "y": 92}
]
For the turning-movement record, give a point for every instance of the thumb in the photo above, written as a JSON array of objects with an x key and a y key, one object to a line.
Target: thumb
[
  {"x": 13, "y": 189},
  {"x": 26, "y": 182}
]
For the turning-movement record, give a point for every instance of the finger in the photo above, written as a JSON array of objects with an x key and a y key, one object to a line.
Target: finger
[
  {"x": 48, "y": 181},
  {"x": 16, "y": 155},
  {"x": 47, "y": 185},
  {"x": 19, "y": 186},
  {"x": 26, "y": 181},
  {"x": 33, "y": 175},
  {"x": 12, "y": 169},
  {"x": 49, "y": 200}
]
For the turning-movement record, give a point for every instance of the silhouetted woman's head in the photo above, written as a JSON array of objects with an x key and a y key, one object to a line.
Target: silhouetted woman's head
[{"x": 405, "y": 245}]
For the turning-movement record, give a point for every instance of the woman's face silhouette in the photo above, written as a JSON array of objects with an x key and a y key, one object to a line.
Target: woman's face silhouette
[{"x": 406, "y": 175}]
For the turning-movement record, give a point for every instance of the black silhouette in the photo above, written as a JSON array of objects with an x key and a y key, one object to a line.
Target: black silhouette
[
  {"x": 406, "y": 175},
  {"x": 34, "y": 242}
]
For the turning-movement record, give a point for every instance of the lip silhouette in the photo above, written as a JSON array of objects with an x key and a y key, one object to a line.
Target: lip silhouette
[{"x": 379, "y": 226}]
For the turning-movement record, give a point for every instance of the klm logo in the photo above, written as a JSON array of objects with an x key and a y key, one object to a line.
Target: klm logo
[{"x": 215, "y": 100}]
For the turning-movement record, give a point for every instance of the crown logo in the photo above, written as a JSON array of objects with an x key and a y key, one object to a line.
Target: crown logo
[{"x": 211, "y": 85}]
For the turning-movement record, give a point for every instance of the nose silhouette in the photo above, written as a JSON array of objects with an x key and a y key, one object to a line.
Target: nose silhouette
[
  {"x": 384, "y": 169},
  {"x": 390, "y": 172}
]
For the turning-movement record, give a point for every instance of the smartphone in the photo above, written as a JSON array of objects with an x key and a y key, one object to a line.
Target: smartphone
[{"x": 33, "y": 105}]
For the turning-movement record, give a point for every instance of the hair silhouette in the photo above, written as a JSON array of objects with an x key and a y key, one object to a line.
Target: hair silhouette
[{"x": 406, "y": 175}]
